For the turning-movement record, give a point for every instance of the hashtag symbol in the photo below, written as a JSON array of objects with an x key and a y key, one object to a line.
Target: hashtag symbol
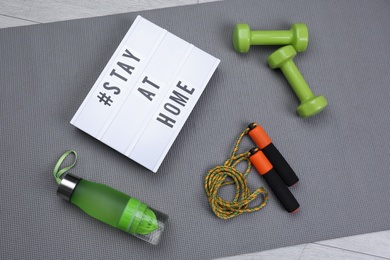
[{"x": 105, "y": 99}]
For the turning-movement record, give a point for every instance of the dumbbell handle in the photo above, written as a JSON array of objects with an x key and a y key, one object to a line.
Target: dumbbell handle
[
  {"x": 296, "y": 80},
  {"x": 271, "y": 37},
  {"x": 282, "y": 193}
]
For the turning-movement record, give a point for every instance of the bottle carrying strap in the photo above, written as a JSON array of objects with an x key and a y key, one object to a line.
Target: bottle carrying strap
[{"x": 58, "y": 172}]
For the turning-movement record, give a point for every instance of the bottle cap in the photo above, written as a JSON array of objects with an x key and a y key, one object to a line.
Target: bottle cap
[{"x": 67, "y": 185}]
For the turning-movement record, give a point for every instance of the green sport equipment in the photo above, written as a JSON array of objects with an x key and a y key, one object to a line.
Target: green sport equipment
[
  {"x": 310, "y": 104},
  {"x": 297, "y": 36},
  {"x": 109, "y": 205}
]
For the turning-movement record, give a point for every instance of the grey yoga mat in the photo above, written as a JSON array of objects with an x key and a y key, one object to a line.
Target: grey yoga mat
[{"x": 341, "y": 155}]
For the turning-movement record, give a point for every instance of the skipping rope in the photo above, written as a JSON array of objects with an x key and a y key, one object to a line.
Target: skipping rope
[{"x": 227, "y": 174}]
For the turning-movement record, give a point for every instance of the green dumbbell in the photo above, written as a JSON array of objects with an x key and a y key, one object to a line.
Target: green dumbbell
[
  {"x": 310, "y": 104},
  {"x": 243, "y": 37}
]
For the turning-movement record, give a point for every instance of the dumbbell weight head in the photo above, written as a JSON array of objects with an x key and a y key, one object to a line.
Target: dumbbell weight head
[
  {"x": 243, "y": 37},
  {"x": 300, "y": 36},
  {"x": 310, "y": 104},
  {"x": 312, "y": 107},
  {"x": 281, "y": 56}
]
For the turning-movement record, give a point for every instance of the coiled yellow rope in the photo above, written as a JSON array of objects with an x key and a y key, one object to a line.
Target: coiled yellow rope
[{"x": 216, "y": 178}]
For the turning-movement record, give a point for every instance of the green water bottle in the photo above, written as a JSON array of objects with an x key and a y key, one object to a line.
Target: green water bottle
[{"x": 114, "y": 208}]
